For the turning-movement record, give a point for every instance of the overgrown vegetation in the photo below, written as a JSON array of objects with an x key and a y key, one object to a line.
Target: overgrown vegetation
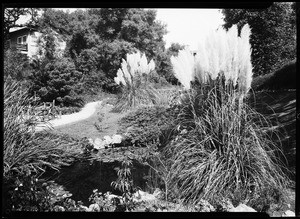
[
  {"x": 148, "y": 124},
  {"x": 202, "y": 142},
  {"x": 222, "y": 150},
  {"x": 26, "y": 154}
]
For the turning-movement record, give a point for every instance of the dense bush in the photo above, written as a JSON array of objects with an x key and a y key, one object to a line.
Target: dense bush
[
  {"x": 146, "y": 125},
  {"x": 273, "y": 34},
  {"x": 58, "y": 80},
  {"x": 284, "y": 78}
]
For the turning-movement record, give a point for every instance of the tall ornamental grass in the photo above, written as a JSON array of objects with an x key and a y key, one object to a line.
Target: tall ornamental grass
[
  {"x": 133, "y": 77},
  {"x": 223, "y": 150},
  {"x": 24, "y": 151}
]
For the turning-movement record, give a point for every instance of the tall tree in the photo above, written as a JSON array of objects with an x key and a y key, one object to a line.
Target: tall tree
[{"x": 273, "y": 37}]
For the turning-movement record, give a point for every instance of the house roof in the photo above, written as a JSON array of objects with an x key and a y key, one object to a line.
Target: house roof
[{"x": 15, "y": 29}]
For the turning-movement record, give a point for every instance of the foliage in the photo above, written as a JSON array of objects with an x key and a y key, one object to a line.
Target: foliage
[
  {"x": 124, "y": 183},
  {"x": 283, "y": 78},
  {"x": 26, "y": 193},
  {"x": 59, "y": 81},
  {"x": 134, "y": 79},
  {"x": 222, "y": 149},
  {"x": 102, "y": 200},
  {"x": 148, "y": 124},
  {"x": 164, "y": 65},
  {"x": 27, "y": 154},
  {"x": 16, "y": 65},
  {"x": 51, "y": 45},
  {"x": 105, "y": 35},
  {"x": 273, "y": 34}
]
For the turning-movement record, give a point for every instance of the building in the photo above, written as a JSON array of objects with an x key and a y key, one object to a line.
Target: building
[{"x": 29, "y": 41}]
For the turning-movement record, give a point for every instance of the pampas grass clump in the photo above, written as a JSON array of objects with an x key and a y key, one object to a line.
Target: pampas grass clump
[
  {"x": 224, "y": 150},
  {"x": 133, "y": 78},
  {"x": 222, "y": 53}
]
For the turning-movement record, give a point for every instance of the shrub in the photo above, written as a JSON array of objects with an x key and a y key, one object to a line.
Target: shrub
[
  {"x": 148, "y": 124},
  {"x": 58, "y": 80},
  {"x": 284, "y": 78}
]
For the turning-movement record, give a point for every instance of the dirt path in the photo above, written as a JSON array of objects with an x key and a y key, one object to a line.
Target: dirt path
[
  {"x": 88, "y": 110},
  {"x": 106, "y": 121}
]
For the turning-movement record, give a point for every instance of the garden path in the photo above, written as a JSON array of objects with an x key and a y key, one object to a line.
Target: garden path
[
  {"x": 88, "y": 110},
  {"x": 102, "y": 116}
]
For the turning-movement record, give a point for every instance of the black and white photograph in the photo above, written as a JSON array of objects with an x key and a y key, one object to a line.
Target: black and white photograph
[{"x": 150, "y": 109}]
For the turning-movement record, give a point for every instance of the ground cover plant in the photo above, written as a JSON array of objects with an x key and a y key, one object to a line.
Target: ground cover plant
[{"x": 223, "y": 151}]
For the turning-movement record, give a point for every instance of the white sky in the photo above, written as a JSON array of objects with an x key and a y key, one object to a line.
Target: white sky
[
  {"x": 189, "y": 26},
  {"x": 185, "y": 26}
]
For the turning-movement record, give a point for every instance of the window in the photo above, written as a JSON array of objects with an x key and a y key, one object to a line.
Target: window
[{"x": 22, "y": 40}]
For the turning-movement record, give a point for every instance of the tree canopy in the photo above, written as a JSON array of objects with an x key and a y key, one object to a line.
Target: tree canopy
[{"x": 273, "y": 37}]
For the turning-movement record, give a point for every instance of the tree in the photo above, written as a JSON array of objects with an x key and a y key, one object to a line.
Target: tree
[
  {"x": 58, "y": 80},
  {"x": 106, "y": 35},
  {"x": 273, "y": 37},
  {"x": 164, "y": 66},
  {"x": 12, "y": 15}
]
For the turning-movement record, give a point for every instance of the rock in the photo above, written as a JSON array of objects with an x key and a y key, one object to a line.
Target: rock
[
  {"x": 107, "y": 140},
  {"x": 226, "y": 205},
  {"x": 204, "y": 206},
  {"x": 242, "y": 208},
  {"x": 289, "y": 213},
  {"x": 140, "y": 196},
  {"x": 158, "y": 193},
  {"x": 84, "y": 208},
  {"x": 112, "y": 196},
  {"x": 94, "y": 207},
  {"x": 99, "y": 144},
  {"x": 117, "y": 139},
  {"x": 91, "y": 141}
]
